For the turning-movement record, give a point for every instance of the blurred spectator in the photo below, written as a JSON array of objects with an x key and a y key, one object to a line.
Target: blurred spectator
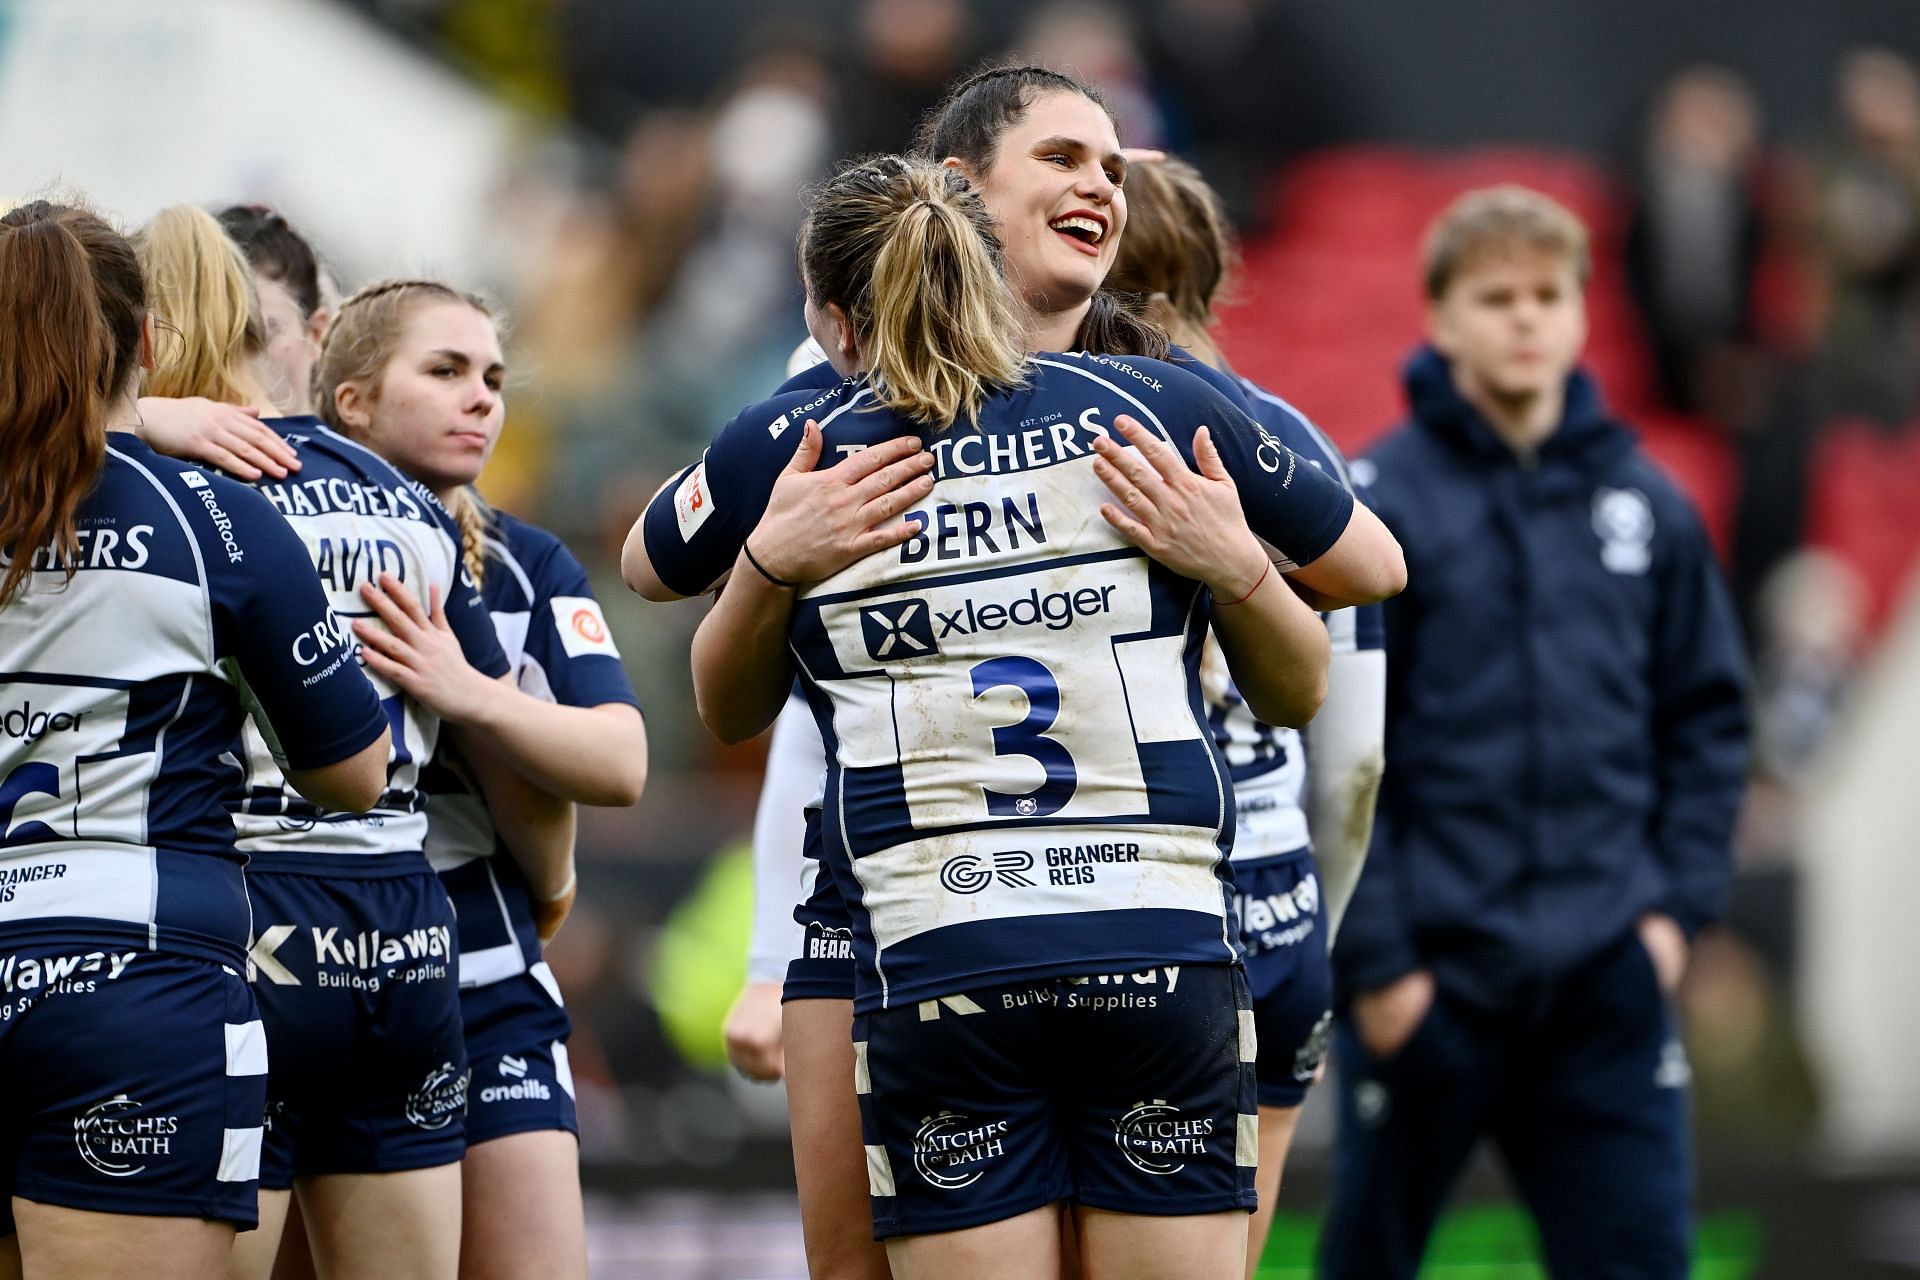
[
  {"x": 1694, "y": 241},
  {"x": 1095, "y": 41},
  {"x": 1869, "y": 213},
  {"x": 908, "y": 51}
]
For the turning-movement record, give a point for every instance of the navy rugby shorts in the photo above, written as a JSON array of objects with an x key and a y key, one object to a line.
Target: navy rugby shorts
[
  {"x": 355, "y": 967},
  {"x": 134, "y": 1083},
  {"x": 1128, "y": 1092},
  {"x": 823, "y": 969},
  {"x": 517, "y": 1032},
  {"x": 1282, "y": 928}
]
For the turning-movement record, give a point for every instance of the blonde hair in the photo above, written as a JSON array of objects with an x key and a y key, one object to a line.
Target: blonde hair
[
  {"x": 202, "y": 295},
  {"x": 1499, "y": 219},
  {"x": 361, "y": 338},
  {"x": 908, "y": 250},
  {"x": 1178, "y": 251}
]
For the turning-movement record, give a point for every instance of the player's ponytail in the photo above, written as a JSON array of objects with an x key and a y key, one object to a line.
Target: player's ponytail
[
  {"x": 1178, "y": 250},
  {"x": 203, "y": 290},
  {"x": 906, "y": 248},
  {"x": 471, "y": 512},
  {"x": 70, "y": 320}
]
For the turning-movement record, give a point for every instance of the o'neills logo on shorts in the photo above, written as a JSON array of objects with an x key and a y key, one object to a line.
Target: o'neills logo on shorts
[
  {"x": 950, "y": 1151},
  {"x": 440, "y": 1097},
  {"x": 119, "y": 1140},
  {"x": 1154, "y": 1138}
]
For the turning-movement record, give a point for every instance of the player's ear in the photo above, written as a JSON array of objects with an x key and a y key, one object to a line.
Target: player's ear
[
  {"x": 149, "y": 342},
  {"x": 845, "y": 343},
  {"x": 353, "y": 406},
  {"x": 961, "y": 167}
]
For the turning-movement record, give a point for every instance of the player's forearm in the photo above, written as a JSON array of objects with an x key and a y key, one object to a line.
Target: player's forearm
[
  {"x": 741, "y": 671},
  {"x": 1346, "y": 755},
  {"x": 1363, "y": 565},
  {"x": 589, "y": 755},
  {"x": 535, "y": 825},
  {"x": 1277, "y": 650}
]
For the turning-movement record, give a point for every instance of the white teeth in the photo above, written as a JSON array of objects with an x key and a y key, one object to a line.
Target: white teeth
[{"x": 1087, "y": 225}]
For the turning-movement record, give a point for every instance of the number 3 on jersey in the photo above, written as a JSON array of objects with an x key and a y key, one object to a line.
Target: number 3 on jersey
[{"x": 1027, "y": 738}]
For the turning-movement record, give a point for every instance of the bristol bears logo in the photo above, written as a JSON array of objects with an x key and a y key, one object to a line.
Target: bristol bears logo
[
  {"x": 898, "y": 629},
  {"x": 1624, "y": 520},
  {"x": 970, "y": 872}
]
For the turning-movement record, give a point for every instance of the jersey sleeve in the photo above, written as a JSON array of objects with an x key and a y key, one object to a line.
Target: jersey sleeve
[
  {"x": 567, "y": 635},
  {"x": 297, "y": 660},
  {"x": 1293, "y": 506},
  {"x": 695, "y": 525}
]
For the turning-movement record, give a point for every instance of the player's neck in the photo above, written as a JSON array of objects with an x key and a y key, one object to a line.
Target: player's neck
[
  {"x": 123, "y": 414},
  {"x": 1056, "y": 330},
  {"x": 1523, "y": 422}
]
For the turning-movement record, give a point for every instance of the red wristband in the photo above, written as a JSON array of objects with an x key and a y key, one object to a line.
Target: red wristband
[{"x": 1227, "y": 604}]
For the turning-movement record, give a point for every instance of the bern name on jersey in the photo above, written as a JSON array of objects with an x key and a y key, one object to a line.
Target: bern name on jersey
[
  {"x": 1022, "y": 781},
  {"x": 359, "y": 518}
]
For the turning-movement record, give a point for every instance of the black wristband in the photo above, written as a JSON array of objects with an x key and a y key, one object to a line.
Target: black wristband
[{"x": 747, "y": 551}]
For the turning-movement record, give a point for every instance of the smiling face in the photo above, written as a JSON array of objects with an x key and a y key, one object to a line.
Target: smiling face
[
  {"x": 436, "y": 407},
  {"x": 1053, "y": 188}
]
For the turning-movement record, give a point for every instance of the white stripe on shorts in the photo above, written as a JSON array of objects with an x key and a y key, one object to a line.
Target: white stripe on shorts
[
  {"x": 239, "y": 1155},
  {"x": 879, "y": 1172},
  {"x": 1246, "y": 1142},
  {"x": 862, "y": 1078},
  {"x": 563, "y": 1067},
  {"x": 544, "y": 976},
  {"x": 1249, "y": 1038},
  {"x": 246, "y": 1048}
]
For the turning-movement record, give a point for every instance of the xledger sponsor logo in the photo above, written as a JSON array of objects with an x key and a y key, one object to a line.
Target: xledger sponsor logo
[
  {"x": 898, "y": 629},
  {"x": 1055, "y": 610},
  {"x": 970, "y": 872},
  {"x": 28, "y": 723},
  {"x": 522, "y": 1090},
  {"x": 1155, "y": 1139},
  {"x": 950, "y": 1151},
  {"x": 116, "y": 1139},
  {"x": 440, "y": 1097},
  {"x": 222, "y": 524}
]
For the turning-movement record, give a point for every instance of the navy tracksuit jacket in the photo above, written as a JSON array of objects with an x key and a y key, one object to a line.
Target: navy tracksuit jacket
[{"x": 1566, "y": 720}]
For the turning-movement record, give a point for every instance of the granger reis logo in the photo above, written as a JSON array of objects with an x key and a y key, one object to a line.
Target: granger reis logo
[{"x": 898, "y": 629}]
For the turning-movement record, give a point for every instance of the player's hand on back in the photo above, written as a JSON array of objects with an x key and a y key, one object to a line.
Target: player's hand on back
[
  {"x": 819, "y": 521},
  {"x": 1190, "y": 521},
  {"x": 753, "y": 1033},
  {"x": 220, "y": 435}
]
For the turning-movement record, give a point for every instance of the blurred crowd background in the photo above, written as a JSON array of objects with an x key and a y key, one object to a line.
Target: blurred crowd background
[{"x": 625, "y": 174}]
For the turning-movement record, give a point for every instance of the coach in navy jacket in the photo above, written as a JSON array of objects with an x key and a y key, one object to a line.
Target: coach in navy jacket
[{"x": 1566, "y": 723}]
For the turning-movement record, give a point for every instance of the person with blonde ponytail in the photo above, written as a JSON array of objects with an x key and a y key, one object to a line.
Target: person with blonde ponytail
[
  {"x": 998, "y": 635},
  {"x": 145, "y": 614},
  {"x": 1041, "y": 150},
  {"x": 1304, "y": 797},
  {"x": 413, "y": 369},
  {"x": 366, "y": 1102}
]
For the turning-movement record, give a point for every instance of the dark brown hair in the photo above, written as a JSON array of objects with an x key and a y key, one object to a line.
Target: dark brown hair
[
  {"x": 72, "y": 304},
  {"x": 968, "y": 124},
  {"x": 276, "y": 251},
  {"x": 1178, "y": 245}
]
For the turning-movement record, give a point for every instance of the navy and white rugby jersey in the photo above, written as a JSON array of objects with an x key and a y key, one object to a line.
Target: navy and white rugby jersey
[
  {"x": 557, "y": 643},
  {"x": 359, "y": 518},
  {"x": 121, "y": 689},
  {"x": 1267, "y": 763},
  {"x": 1021, "y": 778}
]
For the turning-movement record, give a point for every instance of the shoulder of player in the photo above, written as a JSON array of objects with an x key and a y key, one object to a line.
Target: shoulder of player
[
  {"x": 1295, "y": 430},
  {"x": 539, "y": 561},
  {"x": 134, "y": 463}
]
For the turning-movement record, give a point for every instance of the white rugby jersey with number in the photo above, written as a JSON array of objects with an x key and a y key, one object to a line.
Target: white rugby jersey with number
[
  {"x": 359, "y": 518},
  {"x": 1022, "y": 781},
  {"x": 121, "y": 692},
  {"x": 556, "y": 640}
]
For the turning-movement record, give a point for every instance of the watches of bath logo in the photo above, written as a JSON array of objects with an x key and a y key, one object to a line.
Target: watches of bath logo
[
  {"x": 440, "y": 1097},
  {"x": 1155, "y": 1139},
  {"x": 116, "y": 1138},
  {"x": 950, "y": 1151},
  {"x": 1624, "y": 520}
]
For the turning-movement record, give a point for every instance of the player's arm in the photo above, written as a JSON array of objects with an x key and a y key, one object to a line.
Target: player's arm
[
  {"x": 1191, "y": 521},
  {"x": 352, "y": 785},
  {"x": 536, "y": 826},
  {"x": 1346, "y": 754},
  {"x": 816, "y": 523}
]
